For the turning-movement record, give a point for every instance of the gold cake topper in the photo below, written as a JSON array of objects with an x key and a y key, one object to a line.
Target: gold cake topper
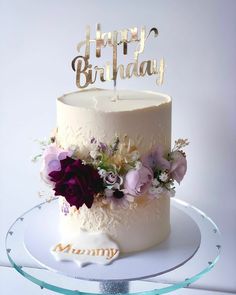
[{"x": 87, "y": 74}]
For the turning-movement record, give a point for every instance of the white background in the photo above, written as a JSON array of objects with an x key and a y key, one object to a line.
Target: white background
[{"x": 198, "y": 41}]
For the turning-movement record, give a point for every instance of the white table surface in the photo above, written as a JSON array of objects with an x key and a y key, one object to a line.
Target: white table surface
[{"x": 197, "y": 39}]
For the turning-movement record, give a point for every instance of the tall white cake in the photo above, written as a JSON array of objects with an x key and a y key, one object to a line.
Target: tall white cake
[{"x": 145, "y": 119}]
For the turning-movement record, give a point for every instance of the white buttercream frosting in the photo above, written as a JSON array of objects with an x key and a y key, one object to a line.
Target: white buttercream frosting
[
  {"x": 144, "y": 224},
  {"x": 102, "y": 100},
  {"x": 145, "y": 118}
]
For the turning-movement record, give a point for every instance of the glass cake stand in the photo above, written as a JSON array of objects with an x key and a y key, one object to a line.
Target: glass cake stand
[{"x": 201, "y": 251}]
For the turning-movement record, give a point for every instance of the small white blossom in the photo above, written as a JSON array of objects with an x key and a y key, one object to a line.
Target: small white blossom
[
  {"x": 155, "y": 192},
  {"x": 155, "y": 182},
  {"x": 138, "y": 165},
  {"x": 135, "y": 155},
  {"x": 102, "y": 172},
  {"x": 163, "y": 176},
  {"x": 168, "y": 193},
  {"x": 117, "y": 203}
]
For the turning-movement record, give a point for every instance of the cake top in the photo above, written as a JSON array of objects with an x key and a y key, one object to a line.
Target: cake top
[{"x": 102, "y": 99}]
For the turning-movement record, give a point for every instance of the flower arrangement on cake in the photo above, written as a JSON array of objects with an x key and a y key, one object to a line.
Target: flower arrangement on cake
[{"x": 113, "y": 174}]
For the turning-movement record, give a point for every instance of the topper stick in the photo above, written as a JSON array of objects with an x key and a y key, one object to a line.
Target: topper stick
[{"x": 115, "y": 97}]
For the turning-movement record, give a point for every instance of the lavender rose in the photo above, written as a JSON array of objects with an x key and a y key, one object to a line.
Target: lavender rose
[
  {"x": 51, "y": 161},
  {"x": 77, "y": 182},
  {"x": 138, "y": 181},
  {"x": 155, "y": 159},
  {"x": 178, "y": 166},
  {"x": 111, "y": 178}
]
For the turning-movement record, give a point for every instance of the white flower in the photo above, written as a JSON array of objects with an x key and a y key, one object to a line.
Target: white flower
[
  {"x": 138, "y": 165},
  {"x": 167, "y": 193},
  {"x": 116, "y": 201},
  {"x": 163, "y": 176},
  {"x": 102, "y": 172},
  {"x": 155, "y": 192},
  {"x": 135, "y": 155}
]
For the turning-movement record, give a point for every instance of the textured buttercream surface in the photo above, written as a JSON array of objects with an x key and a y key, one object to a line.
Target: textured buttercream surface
[
  {"x": 145, "y": 117},
  {"x": 136, "y": 228}
]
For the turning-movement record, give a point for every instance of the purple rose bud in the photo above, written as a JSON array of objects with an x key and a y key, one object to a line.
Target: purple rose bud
[
  {"x": 111, "y": 178},
  {"x": 138, "y": 181}
]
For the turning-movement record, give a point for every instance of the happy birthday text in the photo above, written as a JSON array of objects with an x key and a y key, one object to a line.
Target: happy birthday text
[{"x": 87, "y": 74}]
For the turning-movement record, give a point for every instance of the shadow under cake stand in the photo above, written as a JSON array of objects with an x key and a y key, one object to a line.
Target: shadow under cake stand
[{"x": 191, "y": 250}]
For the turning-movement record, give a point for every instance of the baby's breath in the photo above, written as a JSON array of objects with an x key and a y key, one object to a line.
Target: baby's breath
[{"x": 180, "y": 143}]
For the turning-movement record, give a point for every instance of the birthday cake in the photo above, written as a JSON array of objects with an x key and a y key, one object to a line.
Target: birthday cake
[{"x": 112, "y": 167}]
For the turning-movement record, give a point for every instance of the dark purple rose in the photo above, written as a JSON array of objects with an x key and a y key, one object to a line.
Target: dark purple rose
[{"x": 76, "y": 182}]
